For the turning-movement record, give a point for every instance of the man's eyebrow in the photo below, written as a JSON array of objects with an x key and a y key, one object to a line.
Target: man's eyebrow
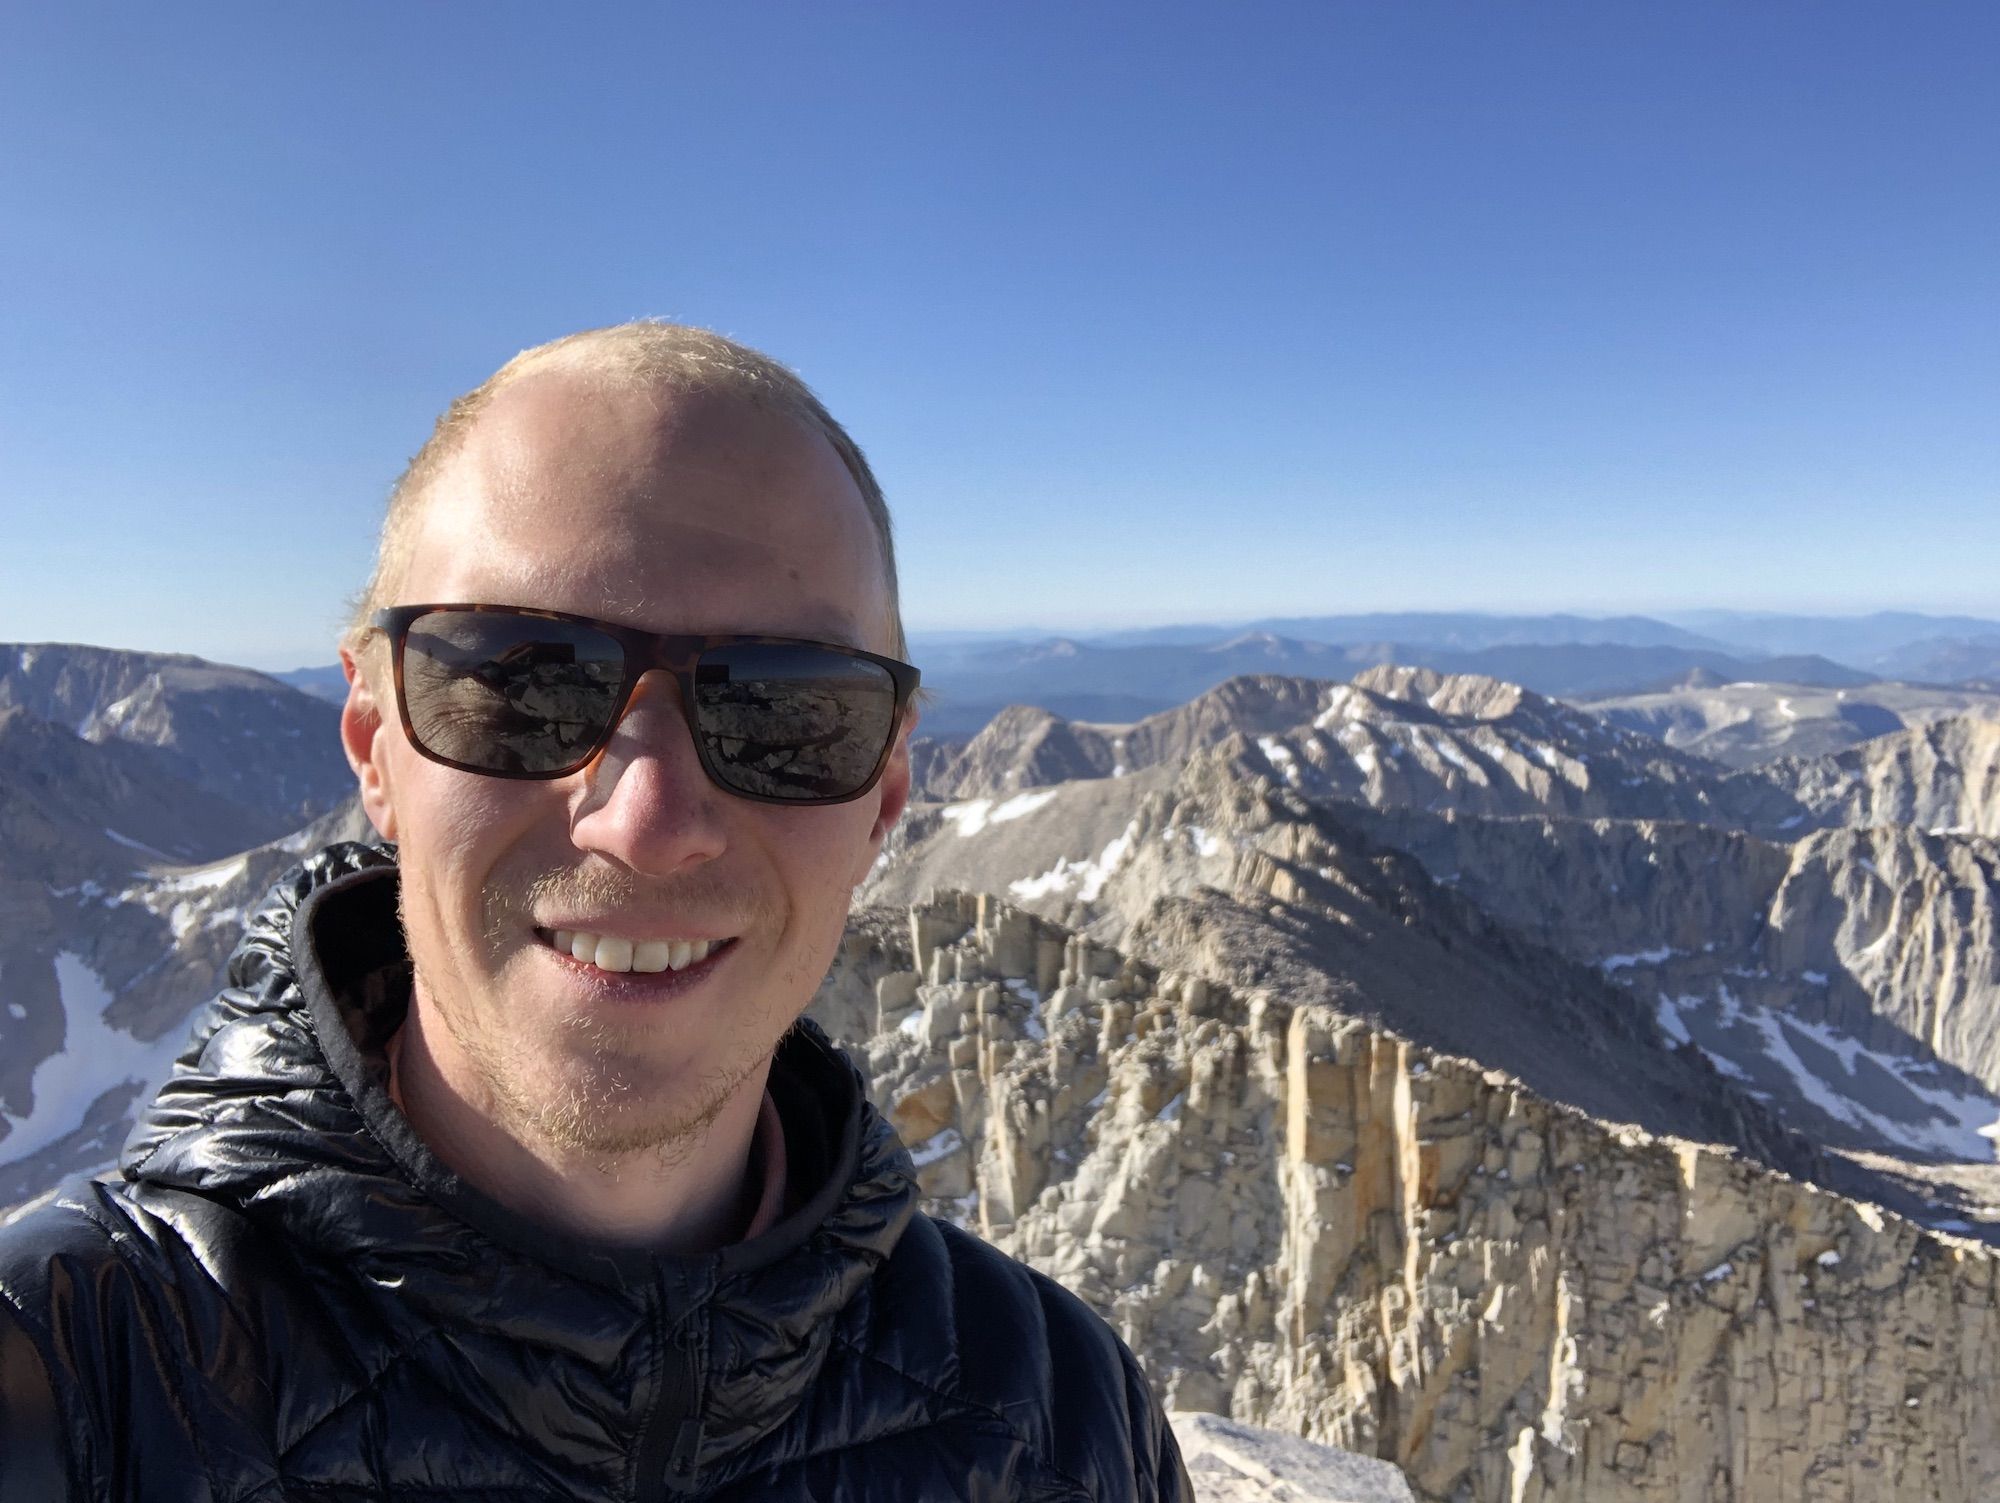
[
  {"x": 841, "y": 632},
  {"x": 827, "y": 623},
  {"x": 824, "y": 622}
]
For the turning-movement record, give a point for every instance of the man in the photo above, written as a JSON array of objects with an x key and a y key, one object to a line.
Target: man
[{"x": 506, "y": 1168}]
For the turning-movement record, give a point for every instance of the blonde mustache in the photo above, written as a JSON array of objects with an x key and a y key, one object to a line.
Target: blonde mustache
[{"x": 726, "y": 906}]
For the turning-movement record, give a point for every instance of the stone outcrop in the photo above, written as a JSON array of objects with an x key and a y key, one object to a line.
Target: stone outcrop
[
  {"x": 1231, "y": 1462},
  {"x": 1303, "y": 1221},
  {"x": 1944, "y": 776},
  {"x": 1225, "y": 874}
]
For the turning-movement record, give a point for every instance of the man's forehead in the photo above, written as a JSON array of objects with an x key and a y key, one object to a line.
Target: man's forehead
[
  {"x": 573, "y": 424},
  {"x": 653, "y": 508},
  {"x": 545, "y": 582}
]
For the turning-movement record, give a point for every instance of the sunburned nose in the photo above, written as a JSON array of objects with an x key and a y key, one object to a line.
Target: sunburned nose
[{"x": 645, "y": 801}]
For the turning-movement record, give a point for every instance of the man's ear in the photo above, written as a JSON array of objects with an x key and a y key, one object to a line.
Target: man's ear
[
  {"x": 894, "y": 792},
  {"x": 362, "y": 734}
]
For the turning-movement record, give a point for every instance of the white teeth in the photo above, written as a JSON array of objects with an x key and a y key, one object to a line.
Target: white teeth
[{"x": 609, "y": 953}]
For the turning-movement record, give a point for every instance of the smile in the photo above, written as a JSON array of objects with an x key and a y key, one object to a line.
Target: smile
[{"x": 609, "y": 952}]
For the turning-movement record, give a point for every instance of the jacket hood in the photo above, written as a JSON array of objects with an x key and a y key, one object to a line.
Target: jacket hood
[{"x": 278, "y": 1107}]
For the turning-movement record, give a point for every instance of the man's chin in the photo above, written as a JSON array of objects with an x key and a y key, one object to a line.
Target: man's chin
[{"x": 604, "y": 1115}]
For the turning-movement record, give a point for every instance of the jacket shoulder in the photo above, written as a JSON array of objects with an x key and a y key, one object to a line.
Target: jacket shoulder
[
  {"x": 126, "y": 1293},
  {"x": 34, "y": 1451},
  {"x": 958, "y": 1316},
  {"x": 61, "y": 1280}
]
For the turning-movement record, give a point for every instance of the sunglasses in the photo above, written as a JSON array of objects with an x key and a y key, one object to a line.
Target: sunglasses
[{"x": 517, "y": 693}]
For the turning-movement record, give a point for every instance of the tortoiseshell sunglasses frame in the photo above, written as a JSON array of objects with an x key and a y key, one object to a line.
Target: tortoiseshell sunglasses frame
[{"x": 675, "y": 654}]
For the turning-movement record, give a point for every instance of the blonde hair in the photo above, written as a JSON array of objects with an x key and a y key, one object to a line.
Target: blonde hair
[{"x": 647, "y": 354}]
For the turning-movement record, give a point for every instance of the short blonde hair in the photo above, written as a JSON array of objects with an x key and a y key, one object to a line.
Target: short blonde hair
[{"x": 648, "y": 354}]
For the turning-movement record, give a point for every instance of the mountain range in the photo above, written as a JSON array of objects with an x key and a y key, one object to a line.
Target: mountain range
[
  {"x": 1818, "y": 931},
  {"x": 1401, "y": 1059},
  {"x": 1128, "y": 674}
]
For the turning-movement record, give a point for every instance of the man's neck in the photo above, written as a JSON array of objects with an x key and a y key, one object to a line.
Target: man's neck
[{"x": 689, "y": 1205}]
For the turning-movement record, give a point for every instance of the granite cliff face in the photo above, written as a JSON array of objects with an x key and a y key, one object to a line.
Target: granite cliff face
[
  {"x": 1944, "y": 776},
  {"x": 1304, "y": 1221},
  {"x": 1429, "y": 851}
]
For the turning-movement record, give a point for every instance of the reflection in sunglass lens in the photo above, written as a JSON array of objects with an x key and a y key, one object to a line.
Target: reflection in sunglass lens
[
  {"x": 505, "y": 693},
  {"x": 792, "y": 722}
]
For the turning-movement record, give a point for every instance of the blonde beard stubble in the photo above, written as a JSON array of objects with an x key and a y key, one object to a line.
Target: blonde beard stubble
[{"x": 525, "y": 1101}]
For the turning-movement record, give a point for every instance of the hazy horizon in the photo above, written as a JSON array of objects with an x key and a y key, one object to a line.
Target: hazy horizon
[{"x": 1030, "y": 630}]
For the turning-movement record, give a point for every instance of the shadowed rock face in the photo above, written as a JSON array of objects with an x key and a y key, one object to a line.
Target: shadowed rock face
[
  {"x": 103, "y": 970},
  {"x": 68, "y": 805},
  {"x": 1885, "y": 939},
  {"x": 145, "y": 801},
  {"x": 240, "y": 737},
  {"x": 1302, "y": 1221}
]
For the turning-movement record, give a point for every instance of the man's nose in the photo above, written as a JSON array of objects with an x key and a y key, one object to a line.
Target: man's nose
[{"x": 646, "y": 802}]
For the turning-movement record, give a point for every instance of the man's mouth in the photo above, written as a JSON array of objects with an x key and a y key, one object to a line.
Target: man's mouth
[{"x": 609, "y": 952}]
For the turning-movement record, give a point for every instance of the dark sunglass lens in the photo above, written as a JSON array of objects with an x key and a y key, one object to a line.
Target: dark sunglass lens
[
  {"x": 509, "y": 694},
  {"x": 793, "y": 722}
]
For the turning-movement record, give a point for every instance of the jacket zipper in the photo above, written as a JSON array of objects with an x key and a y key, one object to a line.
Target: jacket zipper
[{"x": 672, "y": 1437}]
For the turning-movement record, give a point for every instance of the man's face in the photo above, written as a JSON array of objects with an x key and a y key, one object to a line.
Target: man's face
[{"x": 674, "y": 514}]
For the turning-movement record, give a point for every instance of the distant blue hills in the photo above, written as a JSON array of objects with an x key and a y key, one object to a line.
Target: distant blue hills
[{"x": 1123, "y": 675}]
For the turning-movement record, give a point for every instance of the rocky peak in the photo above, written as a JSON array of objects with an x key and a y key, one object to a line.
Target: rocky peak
[
  {"x": 1941, "y": 776},
  {"x": 1304, "y": 1221},
  {"x": 240, "y": 736}
]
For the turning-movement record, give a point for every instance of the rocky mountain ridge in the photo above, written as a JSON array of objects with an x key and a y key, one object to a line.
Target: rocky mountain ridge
[
  {"x": 1841, "y": 978},
  {"x": 98, "y": 974},
  {"x": 1303, "y": 1221},
  {"x": 239, "y": 736},
  {"x": 1746, "y": 724}
]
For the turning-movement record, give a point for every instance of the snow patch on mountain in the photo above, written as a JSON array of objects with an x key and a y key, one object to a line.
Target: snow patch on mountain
[
  {"x": 95, "y": 1058},
  {"x": 137, "y": 845},
  {"x": 1086, "y": 877},
  {"x": 1612, "y": 963},
  {"x": 1897, "y": 1099},
  {"x": 974, "y": 815}
]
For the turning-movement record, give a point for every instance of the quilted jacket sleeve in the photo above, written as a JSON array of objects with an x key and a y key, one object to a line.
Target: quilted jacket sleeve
[{"x": 33, "y": 1461}]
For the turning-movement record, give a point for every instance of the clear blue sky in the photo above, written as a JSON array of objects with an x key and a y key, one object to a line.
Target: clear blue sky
[{"x": 1145, "y": 312}]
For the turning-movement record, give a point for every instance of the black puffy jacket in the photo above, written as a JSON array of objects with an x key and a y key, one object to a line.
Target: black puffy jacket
[{"x": 290, "y": 1298}]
